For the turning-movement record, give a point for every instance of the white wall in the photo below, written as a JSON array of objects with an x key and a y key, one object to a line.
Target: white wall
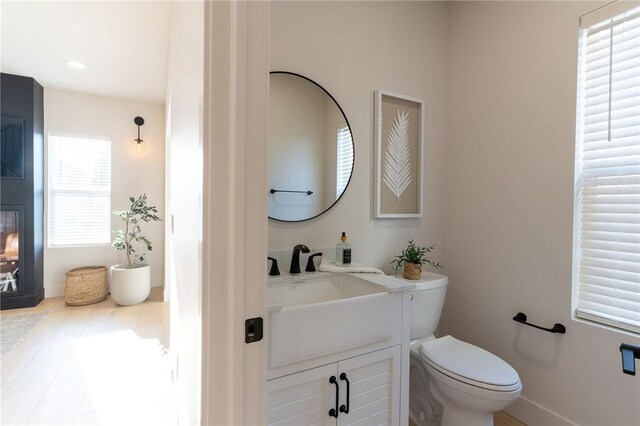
[
  {"x": 76, "y": 114},
  {"x": 184, "y": 200},
  {"x": 509, "y": 209},
  {"x": 352, "y": 49}
]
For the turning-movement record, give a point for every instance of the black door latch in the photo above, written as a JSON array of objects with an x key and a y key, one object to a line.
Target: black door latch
[{"x": 253, "y": 330}]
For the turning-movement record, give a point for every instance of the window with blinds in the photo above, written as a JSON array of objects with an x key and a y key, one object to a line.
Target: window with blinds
[
  {"x": 607, "y": 233},
  {"x": 345, "y": 159},
  {"x": 79, "y": 191}
]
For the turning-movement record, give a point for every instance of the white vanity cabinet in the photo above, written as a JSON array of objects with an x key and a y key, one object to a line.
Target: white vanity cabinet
[{"x": 372, "y": 395}]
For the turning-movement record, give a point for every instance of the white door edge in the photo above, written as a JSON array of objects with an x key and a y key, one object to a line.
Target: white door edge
[{"x": 235, "y": 105}]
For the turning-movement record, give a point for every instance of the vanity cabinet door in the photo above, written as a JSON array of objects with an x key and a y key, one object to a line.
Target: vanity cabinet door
[
  {"x": 303, "y": 398},
  {"x": 374, "y": 388}
]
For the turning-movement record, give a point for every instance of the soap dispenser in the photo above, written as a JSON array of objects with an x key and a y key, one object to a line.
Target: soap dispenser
[{"x": 343, "y": 251}]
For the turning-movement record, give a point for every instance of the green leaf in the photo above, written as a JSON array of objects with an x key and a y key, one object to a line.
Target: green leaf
[
  {"x": 138, "y": 212},
  {"x": 415, "y": 254}
]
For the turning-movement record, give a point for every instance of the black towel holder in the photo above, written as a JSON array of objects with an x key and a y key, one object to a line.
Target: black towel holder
[
  {"x": 557, "y": 328},
  {"x": 273, "y": 191}
]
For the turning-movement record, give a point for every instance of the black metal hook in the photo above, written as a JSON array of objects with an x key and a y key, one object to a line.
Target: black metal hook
[{"x": 557, "y": 328}]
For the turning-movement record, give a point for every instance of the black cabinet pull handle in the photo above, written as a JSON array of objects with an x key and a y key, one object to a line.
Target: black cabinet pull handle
[
  {"x": 343, "y": 408},
  {"x": 334, "y": 411}
]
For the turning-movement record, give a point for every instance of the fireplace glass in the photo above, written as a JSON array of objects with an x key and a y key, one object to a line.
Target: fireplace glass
[
  {"x": 9, "y": 251},
  {"x": 11, "y": 147}
]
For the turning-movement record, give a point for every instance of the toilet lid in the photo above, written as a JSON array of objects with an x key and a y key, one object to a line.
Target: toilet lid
[{"x": 469, "y": 362}]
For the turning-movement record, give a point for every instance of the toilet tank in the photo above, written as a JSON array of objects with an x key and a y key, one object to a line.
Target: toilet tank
[{"x": 427, "y": 300}]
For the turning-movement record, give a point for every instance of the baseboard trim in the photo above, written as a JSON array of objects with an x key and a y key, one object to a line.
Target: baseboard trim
[
  {"x": 53, "y": 291},
  {"x": 530, "y": 413},
  {"x": 58, "y": 290}
]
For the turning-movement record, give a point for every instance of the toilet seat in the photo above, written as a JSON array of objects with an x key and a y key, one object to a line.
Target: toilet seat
[{"x": 470, "y": 364}]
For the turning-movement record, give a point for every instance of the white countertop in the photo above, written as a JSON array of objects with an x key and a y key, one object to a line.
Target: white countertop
[{"x": 390, "y": 283}]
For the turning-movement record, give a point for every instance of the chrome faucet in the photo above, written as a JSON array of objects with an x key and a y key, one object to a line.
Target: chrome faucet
[{"x": 295, "y": 258}]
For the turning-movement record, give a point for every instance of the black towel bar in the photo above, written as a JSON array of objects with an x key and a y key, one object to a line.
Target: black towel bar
[
  {"x": 273, "y": 191},
  {"x": 557, "y": 328}
]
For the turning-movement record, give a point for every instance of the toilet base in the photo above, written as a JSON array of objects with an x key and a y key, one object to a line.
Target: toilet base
[
  {"x": 456, "y": 417},
  {"x": 464, "y": 405},
  {"x": 424, "y": 409}
]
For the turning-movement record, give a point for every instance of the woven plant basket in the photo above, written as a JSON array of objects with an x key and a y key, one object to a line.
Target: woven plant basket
[
  {"x": 412, "y": 271},
  {"x": 86, "y": 285}
]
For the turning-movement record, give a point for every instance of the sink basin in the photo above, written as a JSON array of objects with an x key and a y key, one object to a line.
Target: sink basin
[
  {"x": 320, "y": 315},
  {"x": 302, "y": 292}
]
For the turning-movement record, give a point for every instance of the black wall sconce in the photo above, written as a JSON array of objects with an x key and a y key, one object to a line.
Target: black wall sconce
[{"x": 138, "y": 144}]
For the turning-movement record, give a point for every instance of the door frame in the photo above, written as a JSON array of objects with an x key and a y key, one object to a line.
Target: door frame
[{"x": 235, "y": 129}]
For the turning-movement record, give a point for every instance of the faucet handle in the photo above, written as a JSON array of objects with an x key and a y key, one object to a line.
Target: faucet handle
[
  {"x": 274, "y": 267},
  {"x": 311, "y": 267}
]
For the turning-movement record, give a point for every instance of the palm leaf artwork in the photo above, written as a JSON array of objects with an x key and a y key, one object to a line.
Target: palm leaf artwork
[{"x": 397, "y": 167}]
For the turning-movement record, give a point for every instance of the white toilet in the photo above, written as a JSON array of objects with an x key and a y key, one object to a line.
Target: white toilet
[{"x": 452, "y": 383}]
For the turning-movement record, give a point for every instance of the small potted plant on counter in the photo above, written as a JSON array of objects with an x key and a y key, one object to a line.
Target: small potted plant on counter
[
  {"x": 411, "y": 260},
  {"x": 131, "y": 282}
]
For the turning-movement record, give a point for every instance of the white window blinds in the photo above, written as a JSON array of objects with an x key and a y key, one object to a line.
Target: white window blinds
[
  {"x": 345, "y": 159},
  {"x": 607, "y": 236},
  {"x": 79, "y": 191}
]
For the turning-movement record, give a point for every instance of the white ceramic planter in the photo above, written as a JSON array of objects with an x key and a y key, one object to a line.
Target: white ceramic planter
[{"x": 130, "y": 284}]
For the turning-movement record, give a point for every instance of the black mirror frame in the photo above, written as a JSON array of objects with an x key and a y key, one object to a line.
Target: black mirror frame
[{"x": 353, "y": 166}]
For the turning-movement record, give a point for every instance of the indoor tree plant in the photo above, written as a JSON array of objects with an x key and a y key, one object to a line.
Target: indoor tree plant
[
  {"x": 412, "y": 258},
  {"x": 131, "y": 282}
]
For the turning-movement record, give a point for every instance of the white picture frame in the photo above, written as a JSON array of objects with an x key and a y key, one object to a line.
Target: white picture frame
[{"x": 398, "y": 155}]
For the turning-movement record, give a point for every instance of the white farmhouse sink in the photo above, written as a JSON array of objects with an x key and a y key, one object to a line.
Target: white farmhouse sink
[
  {"x": 308, "y": 291},
  {"x": 320, "y": 315}
]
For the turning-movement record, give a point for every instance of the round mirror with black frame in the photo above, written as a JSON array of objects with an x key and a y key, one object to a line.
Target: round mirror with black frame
[{"x": 311, "y": 149}]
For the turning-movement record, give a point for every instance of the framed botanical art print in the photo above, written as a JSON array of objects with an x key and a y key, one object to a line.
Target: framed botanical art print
[{"x": 399, "y": 126}]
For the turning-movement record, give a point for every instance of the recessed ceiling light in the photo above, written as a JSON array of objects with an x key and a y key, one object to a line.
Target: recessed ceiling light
[{"x": 77, "y": 65}]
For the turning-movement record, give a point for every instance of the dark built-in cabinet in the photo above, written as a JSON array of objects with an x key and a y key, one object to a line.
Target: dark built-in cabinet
[{"x": 21, "y": 191}]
